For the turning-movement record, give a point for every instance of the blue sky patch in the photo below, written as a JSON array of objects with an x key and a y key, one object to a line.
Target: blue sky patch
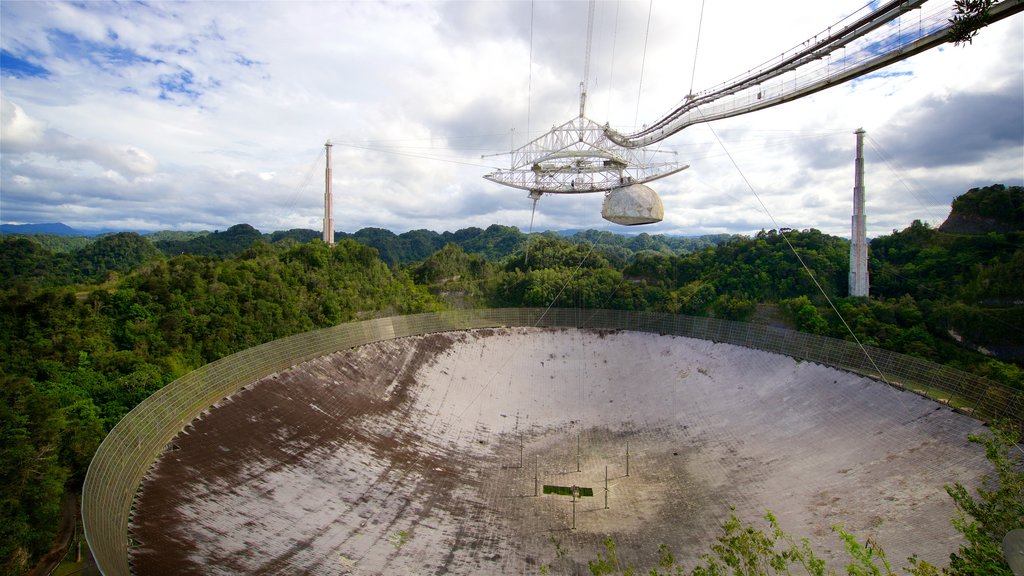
[
  {"x": 11, "y": 65},
  {"x": 103, "y": 56},
  {"x": 880, "y": 74},
  {"x": 182, "y": 83},
  {"x": 889, "y": 74},
  {"x": 245, "y": 61}
]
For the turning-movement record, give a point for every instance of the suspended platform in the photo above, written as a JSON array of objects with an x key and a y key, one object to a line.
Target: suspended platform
[{"x": 579, "y": 158}]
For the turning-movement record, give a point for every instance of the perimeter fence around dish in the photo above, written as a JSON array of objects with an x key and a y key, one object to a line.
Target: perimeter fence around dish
[{"x": 131, "y": 447}]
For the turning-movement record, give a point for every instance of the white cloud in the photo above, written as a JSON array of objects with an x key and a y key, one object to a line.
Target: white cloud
[
  {"x": 211, "y": 114},
  {"x": 20, "y": 133}
]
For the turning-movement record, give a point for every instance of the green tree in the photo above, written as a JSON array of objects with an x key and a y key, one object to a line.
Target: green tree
[
  {"x": 970, "y": 16},
  {"x": 747, "y": 550},
  {"x": 1003, "y": 204},
  {"x": 805, "y": 315},
  {"x": 31, "y": 476},
  {"x": 120, "y": 253},
  {"x": 998, "y": 508},
  {"x": 730, "y": 307}
]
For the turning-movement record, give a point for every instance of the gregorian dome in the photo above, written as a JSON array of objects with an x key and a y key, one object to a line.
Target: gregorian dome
[{"x": 632, "y": 205}]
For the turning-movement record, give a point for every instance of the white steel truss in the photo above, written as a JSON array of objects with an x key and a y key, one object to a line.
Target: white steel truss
[{"x": 578, "y": 157}]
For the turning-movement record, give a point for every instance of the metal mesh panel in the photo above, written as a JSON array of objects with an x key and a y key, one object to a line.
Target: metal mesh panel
[{"x": 127, "y": 453}]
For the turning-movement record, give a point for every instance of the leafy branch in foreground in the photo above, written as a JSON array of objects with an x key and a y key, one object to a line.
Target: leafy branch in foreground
[
  {"x": 747, "y": 550},
  {"x": 999, "y": 507},
  {"x": 970, "y": 16}
]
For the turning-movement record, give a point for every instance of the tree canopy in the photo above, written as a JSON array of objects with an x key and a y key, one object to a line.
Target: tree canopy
[{"x": 93, "y": 329}]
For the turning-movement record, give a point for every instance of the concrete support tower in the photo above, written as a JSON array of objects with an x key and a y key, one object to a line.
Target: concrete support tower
[
  {"x": 328, "y": 201},
  {"x": 858, "y": 236}
]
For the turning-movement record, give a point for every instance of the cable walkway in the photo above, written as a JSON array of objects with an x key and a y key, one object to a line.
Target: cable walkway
[{"x": 856, "y": 46}]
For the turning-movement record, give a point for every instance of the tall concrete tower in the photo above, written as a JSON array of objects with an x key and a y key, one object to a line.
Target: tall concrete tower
[
  {"x": 328, "y": 201},
  {"x": 858, "y": 236}
]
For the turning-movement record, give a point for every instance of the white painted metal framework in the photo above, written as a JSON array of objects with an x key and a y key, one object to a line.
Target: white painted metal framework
[
  {"x": 868, "y": 40},
  {"x": 582, "y": 156},
  {"x": 578, "y": 157}
]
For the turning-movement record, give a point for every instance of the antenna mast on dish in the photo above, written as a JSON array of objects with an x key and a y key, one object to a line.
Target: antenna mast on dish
[{"x": 328, "y": 201}]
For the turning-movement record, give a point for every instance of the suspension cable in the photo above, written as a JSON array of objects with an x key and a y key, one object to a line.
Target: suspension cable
[
  {"x": 590, "y": 41},
  {"x": 696, "y": 47},
  {"x": 643, "y": 64},
  {"x": 586, "y": 65},
  {"x": 529, "y": 84},
  {"x": 567, "y": 281},
  {"x": 306, "y": 179},
  {"x": 529, "y": 235},
  {"x": 611, "y": 70},
  {"x": 797, "y": 254}
]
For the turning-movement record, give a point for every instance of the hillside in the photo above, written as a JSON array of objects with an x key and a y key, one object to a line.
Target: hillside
[
  {"x": 995, "y": 208},
  {"x": 27, "y": 263},
  {"x": 965, "y": 275},
  {"x": 92, "y": 331},
  {"x": 493, "y": 243},
  {"x": 52, "y": 228}
]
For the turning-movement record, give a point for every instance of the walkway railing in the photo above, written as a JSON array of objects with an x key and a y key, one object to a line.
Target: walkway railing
[
  {"x": 868, "y": 40},
  {"x": 127, "y": 453}
]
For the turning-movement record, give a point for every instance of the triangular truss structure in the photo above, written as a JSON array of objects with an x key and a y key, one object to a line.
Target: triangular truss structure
[{"x": 578, "y": 157}]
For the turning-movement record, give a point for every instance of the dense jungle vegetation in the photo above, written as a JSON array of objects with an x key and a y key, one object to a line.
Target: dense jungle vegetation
[{"x": 93, "y": 326}]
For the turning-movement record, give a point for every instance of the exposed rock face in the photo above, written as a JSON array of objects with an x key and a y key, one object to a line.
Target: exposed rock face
[
  {"x": 995, "y": 208},
  {"x": 990, "y": 209},
  {"x": 973, "y": 224}
]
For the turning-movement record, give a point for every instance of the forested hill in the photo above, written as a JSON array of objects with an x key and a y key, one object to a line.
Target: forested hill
[
  {"x": 966, "y": 275},
  {"x": 76, "y": 358},
  {"x": 89, "y": 332},
  {"x": 494, "y": 243},
  {"x": 995, "y": 208},
  {"x": 26, "y": 263}
]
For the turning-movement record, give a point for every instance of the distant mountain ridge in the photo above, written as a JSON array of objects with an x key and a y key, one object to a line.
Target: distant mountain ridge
[
  {"x": 58, "y": 229},
  {"x": 55, "y": 228},
  {"x": 995, "y": 208},
  {"x": 494, "y": 242}
]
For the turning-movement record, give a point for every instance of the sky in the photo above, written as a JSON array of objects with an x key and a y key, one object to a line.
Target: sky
[{"x": 201, "y": 115}]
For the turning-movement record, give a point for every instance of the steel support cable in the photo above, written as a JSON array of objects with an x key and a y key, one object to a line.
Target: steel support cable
[
  {"x": 696, "y": 47},
  {"x": 306, "y": 179},
  {"x": 611, "y": 69},
  {"x": 882, "y": 54},
  {"x": 798, "y": 257},
  {"x": 562, "y": 289},
  {"x": 590, "y": 41},
  {"x": 884, "y": 155},
  {"x": 529, "y": 235},
  {"x": 643, "y": 63},
  {"x": 832, "y": 42},
  {"x": 529, "y": 82},
  {"x": 419, "y": 156},
  {"x": 529, "y": 102}
]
